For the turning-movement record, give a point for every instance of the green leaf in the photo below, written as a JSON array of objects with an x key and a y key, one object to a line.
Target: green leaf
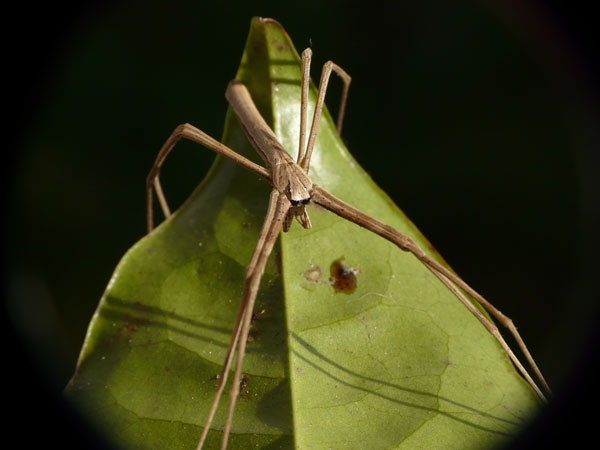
[{"x": 397, "y": 363}]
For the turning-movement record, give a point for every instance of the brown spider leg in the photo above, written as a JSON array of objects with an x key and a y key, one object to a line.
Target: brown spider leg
[
  {"x": 252, "y": 282},
  {"x": 300, "y": 213},
  {"x": 239, "y": 320},
  {"x": 306, "y": 58},
  {"x": 187, "y": 131},
  {"x": 449, "y": 279},
  {"x": 437, "y": 268},
  {"x": 328, "y": 67}
]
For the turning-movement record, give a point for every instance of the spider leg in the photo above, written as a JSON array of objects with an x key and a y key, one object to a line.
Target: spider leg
[
  {"x": 276, "y": 214},
  {"x": 187, "y": 131},
  {"x": 328, "y": 67},
  {"x": 449, "y": 279},
  {"x": 306, "y": 59},
  {"x": 251, "y": 285}
]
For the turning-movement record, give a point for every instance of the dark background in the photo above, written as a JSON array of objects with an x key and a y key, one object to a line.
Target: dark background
[{"x": 478, "y": 118}]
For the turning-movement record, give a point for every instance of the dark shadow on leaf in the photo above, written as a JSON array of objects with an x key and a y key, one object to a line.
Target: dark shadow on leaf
[
  {"x": 146, "y": 315},
  {"x": 140, "y": 315},
  {"x": 468, "y": 409},
  {"x": 282, "y": 442},
  {"x": 275, "y": 407}
]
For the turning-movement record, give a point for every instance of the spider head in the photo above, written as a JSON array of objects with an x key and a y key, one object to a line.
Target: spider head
[
  {"x": 297, "y": 210},
  {"x": 304, "y": 201}
]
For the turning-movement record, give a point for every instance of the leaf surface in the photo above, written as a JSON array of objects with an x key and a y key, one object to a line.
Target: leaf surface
[{"x": 396, "y": 363}]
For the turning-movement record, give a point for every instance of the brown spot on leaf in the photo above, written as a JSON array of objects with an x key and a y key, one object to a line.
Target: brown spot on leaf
[
  {"x": 244, "y": 381},
  {"x": 243, "y": 385},
  {"x": 281, "y": 46},
  {"x": 131, "y": 327},
  {"x": 313, "y": 274},
  {"x": 253, "y": 331},
  {"x": 127, "y": 330},
  {"x": 343, "y": 278}
]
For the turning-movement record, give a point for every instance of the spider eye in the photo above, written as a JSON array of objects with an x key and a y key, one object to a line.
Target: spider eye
[
  {"x": 305, "y": 201},
  {"x": 294, "y": 202}
]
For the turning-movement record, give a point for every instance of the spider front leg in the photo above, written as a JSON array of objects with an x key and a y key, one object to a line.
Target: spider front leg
[
  {"x": 305, "y": 152},
  {"x": 250, "y": 268},
  {"x": 304, "y": 155},
  {"x": 279, "y": 207}
]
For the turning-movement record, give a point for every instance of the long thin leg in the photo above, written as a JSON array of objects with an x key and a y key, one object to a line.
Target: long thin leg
[
  {"x": 503, "y": 319},
  {"x": 192, "y": 133},
  {"x": 342, "y": 111},
  {"x": 450, "y": 280},
  {"x": 306, "y": 58},
  {"x": 243, "y": 310},
  {"x": 491, "y": 328},
  {"x": 328, "y": 67},
  {"x": 252, "y": 283}
]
